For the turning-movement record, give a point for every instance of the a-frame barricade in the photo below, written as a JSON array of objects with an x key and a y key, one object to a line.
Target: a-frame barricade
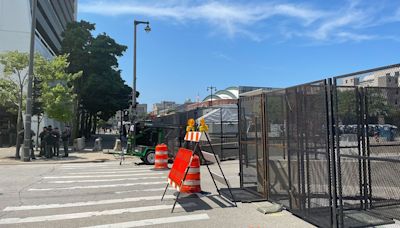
[{"x": 183, "y": 159}]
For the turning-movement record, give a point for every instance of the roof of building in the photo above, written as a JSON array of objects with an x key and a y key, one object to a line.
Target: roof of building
[{"x": 228, "y": 93}]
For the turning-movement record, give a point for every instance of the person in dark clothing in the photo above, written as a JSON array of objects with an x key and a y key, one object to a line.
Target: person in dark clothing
[
  {"x": 32, "y": 146},
  {"x": 56, "y": 144},
  {"x": 21, "y": 135},
  {"x": 21, "y": 140},
  {"x": 42, "y": 142},
  {"x": 49, "y": 142},
  {"x": 65, "y": 135}
]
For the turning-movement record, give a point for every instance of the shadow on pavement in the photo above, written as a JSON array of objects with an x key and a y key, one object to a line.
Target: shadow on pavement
[{"x": 194, "y": 202}]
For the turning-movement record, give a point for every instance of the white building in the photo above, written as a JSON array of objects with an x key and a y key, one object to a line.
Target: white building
[
  {"x": 387, "y": 78},
  {"x": 52, "y": 18},
  {"x": 163, "y": 107}
]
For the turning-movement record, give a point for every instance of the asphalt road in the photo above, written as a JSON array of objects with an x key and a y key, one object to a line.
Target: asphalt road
[{"x": 96, "y": 194}]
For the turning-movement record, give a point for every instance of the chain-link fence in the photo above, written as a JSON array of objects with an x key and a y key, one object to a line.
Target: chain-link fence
[{"x": 327, "y": 150}]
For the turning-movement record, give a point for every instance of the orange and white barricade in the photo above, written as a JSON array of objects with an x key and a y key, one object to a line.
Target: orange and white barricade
[{"x": 161, "y": 157}]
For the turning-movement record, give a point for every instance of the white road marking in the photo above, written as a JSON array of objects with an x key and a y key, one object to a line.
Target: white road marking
[
  {"x": 111, "y": 172},
  {"x": 157, "y": 221},
  {"x": 47, "y": 218},
  {"x": 90, "y": 165},
  {"x": 103, "y": 180},
  {"x": 104, "y": 169},
  {"x": 97, "y": 186},
  {"x": 142, "y": 190},
  {"x": 87, "y": 203},
  {"x": 102, "y": 176}
]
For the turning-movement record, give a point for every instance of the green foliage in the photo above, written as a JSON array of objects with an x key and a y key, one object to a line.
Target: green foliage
[
  {"x": 15, "y": 62},
  {"x": 57, "y": 92},
  {"x": 347, "y": 106},
  {"x": 76, "y": 39},
  {"x": 377, "y": 103},
  {"x": 9, "y": 95},
  {"x": 101, "y": 90},
  {"x": 15, "y": 77}
]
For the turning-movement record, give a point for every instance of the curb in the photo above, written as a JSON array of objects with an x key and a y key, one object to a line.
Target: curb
[{"x": 53, "y": 162}]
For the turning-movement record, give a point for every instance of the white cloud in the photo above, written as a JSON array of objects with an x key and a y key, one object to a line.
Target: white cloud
[
  {"x": 244, "y": 19},
  {"x": 355, "y": 37},
  {"x": 232, "y": 19}
]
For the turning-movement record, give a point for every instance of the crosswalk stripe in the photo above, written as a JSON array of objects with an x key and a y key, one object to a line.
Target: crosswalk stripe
[
  {"x": 96, "y": 186},
  {"x": 104, "y": 169},
  {"x": 102, "y": 176},
  {"x": 90, "y": 165},
  {"x": 111, "y": 172},
  {"x": 141, "y": 190},
  {"x": 87, "y": 203},
  {"x": 157, "y": 221},
  {"x": 89, "y": 214},
  {"x": 103, "y": 180}
]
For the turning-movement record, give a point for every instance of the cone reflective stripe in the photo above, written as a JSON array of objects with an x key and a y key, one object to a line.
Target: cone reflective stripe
[
  {"x": 191, "y": 184},
  {"x": 161, "y": 157}
]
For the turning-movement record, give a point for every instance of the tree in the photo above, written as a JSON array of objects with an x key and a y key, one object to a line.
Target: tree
[
  {"x": 57, "y": 91},
  {"x": 15, "y": 64},
  {"x": 347, "y": 106},
  {"x": 77, "y": 38},
  {"x": 9, "y": 95},
  {"x": 103, "y": 91},
  {"x": 104, "y": 80},
  {"x": 53, "y": 90}
]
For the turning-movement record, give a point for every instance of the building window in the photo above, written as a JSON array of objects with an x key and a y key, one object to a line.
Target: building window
[
  {"x": 395, "y": 101},
  {"x": 387, "y": 74},
  {"x": 396, "y": 73},
  {"x": 346, "y": 81}
]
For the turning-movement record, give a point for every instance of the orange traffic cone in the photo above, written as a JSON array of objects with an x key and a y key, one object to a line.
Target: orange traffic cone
[
  {"x": 192, "y": 182},
  {"x": 161, "y": 157}
]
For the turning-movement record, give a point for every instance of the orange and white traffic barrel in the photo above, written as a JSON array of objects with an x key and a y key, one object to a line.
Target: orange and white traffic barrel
[
  {"x": 161, "y": 157},
  {"x": 191, "y": 184}
]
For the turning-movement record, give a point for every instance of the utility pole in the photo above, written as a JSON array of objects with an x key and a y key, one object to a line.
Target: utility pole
[
  {"x": 28, "y": 113},
  {"x": 147, "y": 29},
  {"x": 211, "y": 88}
]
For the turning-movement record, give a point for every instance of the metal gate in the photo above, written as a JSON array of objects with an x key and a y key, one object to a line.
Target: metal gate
[
  {"x": 367, "y": 149},
  {"x": 329, "y": 150}
]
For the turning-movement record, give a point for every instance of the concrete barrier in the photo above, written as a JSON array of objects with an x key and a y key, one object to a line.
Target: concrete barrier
[
  {"x": 97, "y": 145},
  {"x": 118, "y": 145},
  {"x": 79, "y": 144}
]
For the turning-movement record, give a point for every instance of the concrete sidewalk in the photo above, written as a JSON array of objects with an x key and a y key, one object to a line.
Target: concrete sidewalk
[{"x": 7, "y": 157}]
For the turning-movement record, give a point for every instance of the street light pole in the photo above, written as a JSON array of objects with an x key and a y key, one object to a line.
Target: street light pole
[
  {"x": 28, "y": 112},
  {"x": 147, "y": 29},
  {"x": 211, "y": 88}
]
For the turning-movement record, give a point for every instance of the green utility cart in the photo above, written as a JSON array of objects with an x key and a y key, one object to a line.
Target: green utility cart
[{"x": 146, "y": 137}]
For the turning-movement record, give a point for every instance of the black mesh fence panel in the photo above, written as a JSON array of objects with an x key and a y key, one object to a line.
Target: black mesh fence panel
[{"x": 331, "y": 150}]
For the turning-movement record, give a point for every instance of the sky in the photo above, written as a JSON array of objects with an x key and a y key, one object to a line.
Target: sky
[{"x": 195, "y": 44}]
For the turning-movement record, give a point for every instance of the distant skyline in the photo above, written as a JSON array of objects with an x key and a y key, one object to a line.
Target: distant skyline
[{"x": 195, "y": 44}]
